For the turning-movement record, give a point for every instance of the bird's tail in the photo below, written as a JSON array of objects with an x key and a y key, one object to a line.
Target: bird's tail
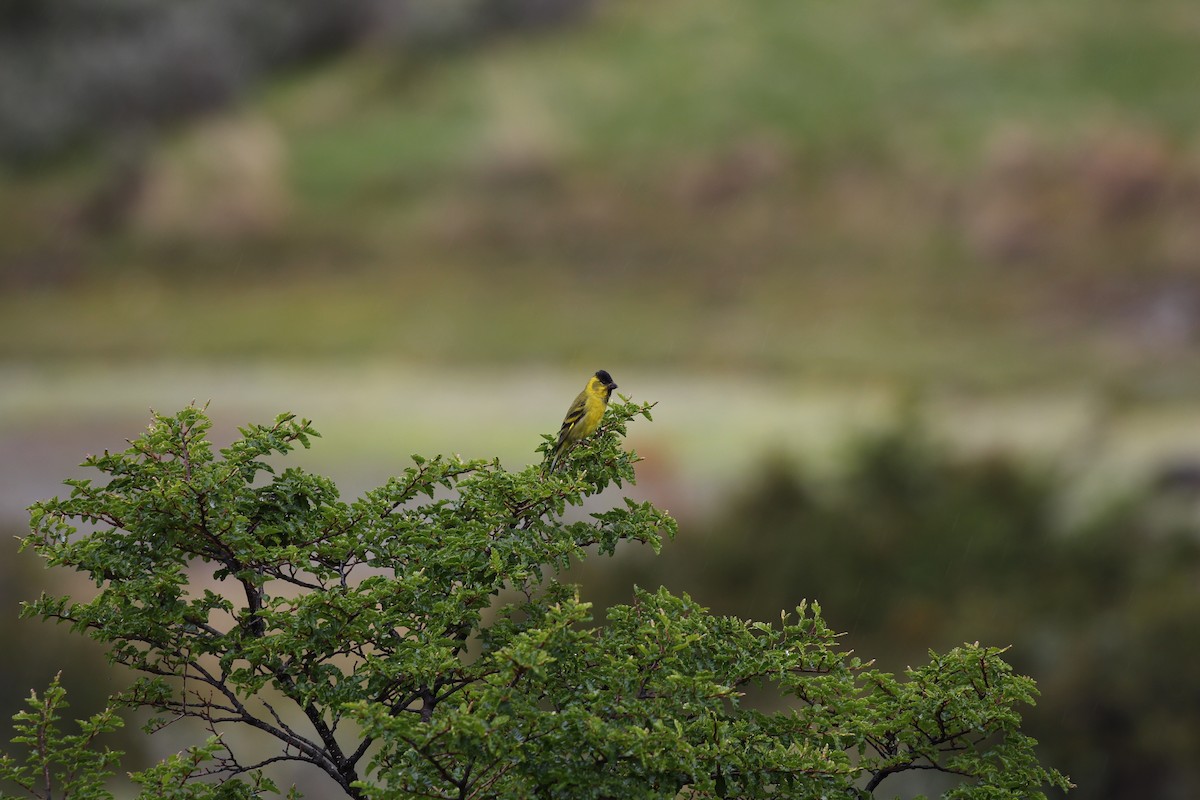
[
  {"x": 555, "y": 456},
  {"x": 555, "y": 453}
]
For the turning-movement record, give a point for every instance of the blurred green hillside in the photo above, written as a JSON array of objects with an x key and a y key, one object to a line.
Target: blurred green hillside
[{"x": 992, "y": 192}]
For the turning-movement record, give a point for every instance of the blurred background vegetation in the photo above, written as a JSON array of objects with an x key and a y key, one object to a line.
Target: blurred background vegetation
[{"x": 917, "y": 287}]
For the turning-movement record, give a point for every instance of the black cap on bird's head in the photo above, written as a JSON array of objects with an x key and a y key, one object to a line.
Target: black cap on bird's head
[{"x": 606, "y": 379}]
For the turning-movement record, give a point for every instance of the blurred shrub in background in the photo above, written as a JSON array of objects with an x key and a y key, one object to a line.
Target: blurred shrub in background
[
  {"x": 73, "y": 71},
  {"x": 32, "y": 651},
  {"x": 915, "y": 546}
]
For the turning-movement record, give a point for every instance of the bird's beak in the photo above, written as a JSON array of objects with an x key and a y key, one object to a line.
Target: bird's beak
[{"x": 611, "y": 386}]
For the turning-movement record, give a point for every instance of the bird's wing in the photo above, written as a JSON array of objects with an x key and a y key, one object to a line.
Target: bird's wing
[{"x": 574, "y": 414}]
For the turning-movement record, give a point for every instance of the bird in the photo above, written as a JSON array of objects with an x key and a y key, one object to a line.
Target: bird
[{"x": 583, "y": 417}]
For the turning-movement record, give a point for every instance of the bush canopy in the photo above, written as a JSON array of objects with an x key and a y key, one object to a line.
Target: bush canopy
[{"x": 415, "y": 643}]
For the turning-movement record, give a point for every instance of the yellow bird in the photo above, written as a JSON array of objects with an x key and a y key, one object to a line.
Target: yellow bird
[{"x": 584, "y": 415}]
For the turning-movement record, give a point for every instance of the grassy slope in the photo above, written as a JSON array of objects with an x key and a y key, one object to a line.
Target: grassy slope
[{"x": 757, "y": 185}]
